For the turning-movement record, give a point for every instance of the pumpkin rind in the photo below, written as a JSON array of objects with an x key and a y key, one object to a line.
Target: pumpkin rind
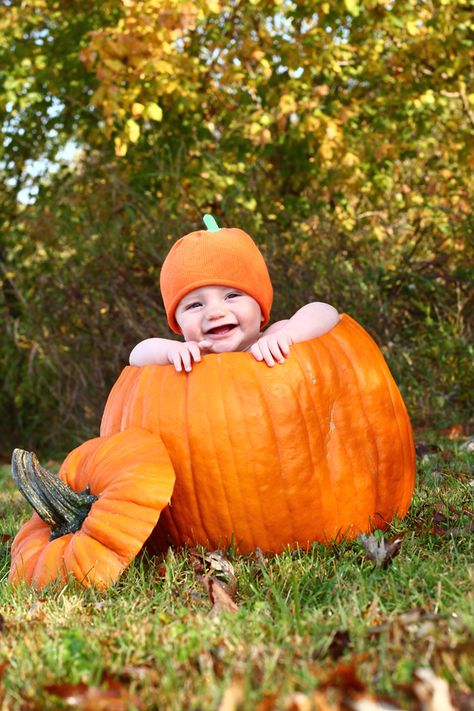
[
  {"x": 131, "y": 474},
  {"x": 315, "y": 449}
]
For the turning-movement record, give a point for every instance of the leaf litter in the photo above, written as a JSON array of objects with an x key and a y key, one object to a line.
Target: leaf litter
[
  {"x": 380, "y": 552},
  {"x": 216, "y": 574}
]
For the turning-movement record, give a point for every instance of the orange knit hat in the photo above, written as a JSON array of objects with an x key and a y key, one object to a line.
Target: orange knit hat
[{"x": 224, "y": 257}]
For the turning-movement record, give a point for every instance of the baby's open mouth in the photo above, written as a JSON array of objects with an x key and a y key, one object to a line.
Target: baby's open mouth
[{"x": 220, "y": 330}]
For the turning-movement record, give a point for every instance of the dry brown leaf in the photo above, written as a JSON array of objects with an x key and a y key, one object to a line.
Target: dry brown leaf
[
  {"x": 112, "y": 697},
  {"x": 217, "y": 595},
  {"x": 432, "y": 691},
  {"x": 233, "y": 696},
  {"x": 423, "y": 450},
  {"x": 260, "y": 556},
  {"x": 457, "y": 431},
  {"x": 218, "y": 565},
  {"x": 321, "y": 703},
  {"x": 268, "y": 703},
  {"x": 35, "y": 612},
  {"x": 73, "y": 694},
  {"x": 373, "y": 614},
  {"x": 340, "y": 642},
  {"x": 380, "y": 552},
  {"x": 298, "y": 702},
  {"x": 141, "y": 672},
  {"x": 344, "y": 677}
]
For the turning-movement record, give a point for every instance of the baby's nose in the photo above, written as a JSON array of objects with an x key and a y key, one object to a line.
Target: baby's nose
[{"x": 214, "y": 311}]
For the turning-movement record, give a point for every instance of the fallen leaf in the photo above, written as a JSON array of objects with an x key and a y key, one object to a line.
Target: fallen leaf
[
  {"x": 468, "y": 445},
  {"x": 298, "y": 702},
  {"x": 36, "y": 612},
  {"x": 453, "y": 432},
  {"x": 432, "y": 691},
  {"x": 268, "y": 703},
  {"x": 423, "y": 449},
  {"x": 73, "y": 694},
  {"x": 463, "y": 700},
  {"x": 113, "y": 696},
  {"x": 344, "y": 677},
  {"x": 380, "y": 551},
  {"x": 373, "y": 614},
  {"x": 353, "y": 693},
  {"x": 339, "y": 644},
  {"x": 321, "y": 703},
  {"x": 460, "y": 530},
  {"x": 217, "y": 564},
  {"x": 439, "y": 520},
  {"x": 140, "y": 672},
  {"x": 220, "y": 600}
]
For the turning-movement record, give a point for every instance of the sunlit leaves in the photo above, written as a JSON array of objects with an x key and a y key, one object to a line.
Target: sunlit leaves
[
  {"x": 153, "y": 111},
  {"x": 348, "y": 91}
]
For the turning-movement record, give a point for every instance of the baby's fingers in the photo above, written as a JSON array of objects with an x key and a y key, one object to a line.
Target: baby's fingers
[
  {"x": 266, "y": 353},
  {"x": 277, "y": 352},
  {"x": 284, "y": 346},
  {"x": 175, "y": 359},
  {"x": 195, "y": 351},
  {"x": 256, "y": 352}
]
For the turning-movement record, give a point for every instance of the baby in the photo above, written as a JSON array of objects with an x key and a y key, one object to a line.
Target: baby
[{"x": 217, "y": 293}]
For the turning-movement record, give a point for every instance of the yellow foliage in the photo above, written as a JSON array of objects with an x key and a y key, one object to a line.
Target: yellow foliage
[
  {"x": 137, "y": 109},
  {"x": 350, "y": 159},
  {"x": 287, "y": 104},
  {"x": 412, "y": 28},
  {"x": 154, "y": 112},
  {"x": 121, "y": 147},
  {"x": 132, "y": 130}
]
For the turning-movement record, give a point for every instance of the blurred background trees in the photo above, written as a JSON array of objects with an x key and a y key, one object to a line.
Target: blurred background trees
[{"x": 339, "y": 134}]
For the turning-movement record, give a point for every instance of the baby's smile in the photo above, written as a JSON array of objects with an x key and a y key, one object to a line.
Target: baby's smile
[{"x": 221, "y": 330}]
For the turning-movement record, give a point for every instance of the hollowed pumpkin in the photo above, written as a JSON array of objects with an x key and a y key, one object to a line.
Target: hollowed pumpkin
[{"x": 315, "y": 449}]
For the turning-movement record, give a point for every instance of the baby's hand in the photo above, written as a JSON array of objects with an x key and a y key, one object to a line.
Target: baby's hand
[
  {"x": 275, "y": 346},
  {"x": 182, "y": 354}
]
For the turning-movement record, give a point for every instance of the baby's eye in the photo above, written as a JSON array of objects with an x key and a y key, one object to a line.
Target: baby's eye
[
  {"x": 193, "y": 305},
  {"x": 233, "y": 294}
]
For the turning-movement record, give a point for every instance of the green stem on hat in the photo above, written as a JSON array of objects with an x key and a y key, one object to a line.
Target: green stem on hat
[{"x": 210, "y": 223}]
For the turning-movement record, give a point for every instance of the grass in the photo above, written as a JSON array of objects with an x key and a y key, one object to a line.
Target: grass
[{"x": 328, "y": 620}]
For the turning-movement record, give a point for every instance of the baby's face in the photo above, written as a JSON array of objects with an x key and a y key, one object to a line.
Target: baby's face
[{"x": 227, "y": 318}]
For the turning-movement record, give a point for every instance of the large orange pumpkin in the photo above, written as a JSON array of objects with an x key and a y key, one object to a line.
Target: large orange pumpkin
[
  {"x": 124, "y": 482},
  {"x": 312, "y": 450}
]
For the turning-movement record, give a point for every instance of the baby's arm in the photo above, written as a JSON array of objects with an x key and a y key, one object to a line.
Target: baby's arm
[
  {"x": 311, "y": 321},
  {"x": 164, "y": 351}
]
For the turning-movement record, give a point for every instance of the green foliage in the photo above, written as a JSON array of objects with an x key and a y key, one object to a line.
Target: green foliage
[{"x": 338, "y": 134}]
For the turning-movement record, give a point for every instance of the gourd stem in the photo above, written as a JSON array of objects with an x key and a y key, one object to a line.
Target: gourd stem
[{"x": 62, "y": 508}]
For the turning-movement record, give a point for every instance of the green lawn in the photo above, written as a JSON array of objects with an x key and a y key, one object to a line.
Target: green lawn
[{"x": 310, "y": 630}]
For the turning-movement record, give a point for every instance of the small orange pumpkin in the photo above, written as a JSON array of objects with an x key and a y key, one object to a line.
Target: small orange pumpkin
[
  {"x": 126, "y": 480},
  {"x": 315, "y": 449}
]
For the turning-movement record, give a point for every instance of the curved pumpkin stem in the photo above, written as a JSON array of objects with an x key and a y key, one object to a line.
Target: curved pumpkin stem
[{"x": 62, "y": 508}]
